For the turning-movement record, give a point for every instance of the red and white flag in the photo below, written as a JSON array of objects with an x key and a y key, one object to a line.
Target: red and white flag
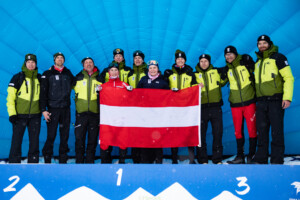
[{"x": 150, "y": 118}]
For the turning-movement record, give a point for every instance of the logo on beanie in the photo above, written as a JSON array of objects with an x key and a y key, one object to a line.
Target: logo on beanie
[
  {"x": 263, "y": 37},
  {"x": 228, "y": 49},
  {"x": 118, "y": 50},
  {"x": 137, "y": 54},
  {"x": 28, "y": 57},
  {"x": 179, "y": 54}
]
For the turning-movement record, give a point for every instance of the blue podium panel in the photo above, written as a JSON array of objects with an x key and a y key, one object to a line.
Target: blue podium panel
[{"x": 141, "y": 182}]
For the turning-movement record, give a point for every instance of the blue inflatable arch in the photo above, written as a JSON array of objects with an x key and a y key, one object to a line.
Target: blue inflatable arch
[{"x": 157, "y": 27}]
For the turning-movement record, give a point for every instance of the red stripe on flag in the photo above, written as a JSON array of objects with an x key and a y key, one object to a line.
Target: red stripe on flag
[
  {"x": 149, "y": 97},
  {"x": 148, "y": 137}
]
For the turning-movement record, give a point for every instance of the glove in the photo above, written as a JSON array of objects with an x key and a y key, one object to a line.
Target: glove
[
  {"x": 175, "y": 89},
  {"x": 129, "y": 88},
  {"x": 13, "y": 119},
  {"x": 98, "y": 88}
]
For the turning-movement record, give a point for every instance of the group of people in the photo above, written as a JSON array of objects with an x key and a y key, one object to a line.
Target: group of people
[{"x": 259, "y": 93}]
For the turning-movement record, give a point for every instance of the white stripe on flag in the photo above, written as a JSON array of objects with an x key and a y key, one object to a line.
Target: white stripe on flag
[{"x": 149, "y": 117}]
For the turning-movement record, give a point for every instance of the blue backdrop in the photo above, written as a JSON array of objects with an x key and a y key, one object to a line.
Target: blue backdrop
[{"x": 157, "y": 27}]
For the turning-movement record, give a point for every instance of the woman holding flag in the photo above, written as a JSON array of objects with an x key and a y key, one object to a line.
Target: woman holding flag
[{"x": 152, "y": 80}]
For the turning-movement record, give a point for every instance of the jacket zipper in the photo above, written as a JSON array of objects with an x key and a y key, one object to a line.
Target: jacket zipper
[
  {"x": 137, "y": 77},
  {"x": 273, "y": 76},
  {"x": 242, "y": 75},
  {"x": 260, "y": 70},
  {"x": 89, "y": 92},
  {"x": 238, "y": 83},
  {"x": 31, "y": 95},
  {"x": 206, "y": 86}
]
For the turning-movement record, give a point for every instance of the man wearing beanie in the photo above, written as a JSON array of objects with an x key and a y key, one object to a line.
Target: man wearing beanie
[
  {"x": 24, "y": 110},
  {"x": 211, "y": 81},
  {"x": 181, "y": 76},
  {"x": 139, "y": 70},
  {"x": 56, "y": 86},
  {"x": 87, "y": 111},
  {"x": 123, "y": 69},
  {"x": 239, "y": 71},
  {"x": 274, "y": 84}
]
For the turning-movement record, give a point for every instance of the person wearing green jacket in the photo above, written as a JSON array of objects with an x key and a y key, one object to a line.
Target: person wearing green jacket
[
  {"x": 274, "y": 84},
  {"x": 136, "y": 74},
  {"x": 181, "y": 76},
  {"x": 24, "y": 110},
  {"x": 87, "y": 111},
  {"x": 239, "y": 71},
  {"x": 123, "y": 69},
  {"x": 211, "y": 80}
]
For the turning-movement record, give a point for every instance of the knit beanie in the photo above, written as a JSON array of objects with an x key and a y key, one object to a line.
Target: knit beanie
[
  {"x": 58, "y": 54},
  {"x": 118, "y": 51},
  {"x": 206, "y": 56},
  {"x": 265, "y": 38},
  {"x": 180, "y": 54},
  {"x": 83, "y": 60},
  {"x": 30, "y": 57},
  {"x": 139, "y": 53},
  {"x": 230, "y": 49}
]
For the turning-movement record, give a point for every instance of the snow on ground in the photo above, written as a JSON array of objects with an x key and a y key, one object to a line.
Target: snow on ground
[{"x": 289, "y": 160}]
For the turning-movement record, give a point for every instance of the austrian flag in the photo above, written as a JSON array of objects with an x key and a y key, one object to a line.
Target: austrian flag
[{"x": 150, "y": 118}]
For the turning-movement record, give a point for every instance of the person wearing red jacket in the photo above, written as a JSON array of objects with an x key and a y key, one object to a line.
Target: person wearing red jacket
[{"x": 114, "y": 81}]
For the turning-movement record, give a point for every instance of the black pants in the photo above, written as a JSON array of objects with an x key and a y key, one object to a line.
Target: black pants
[
  {"x": 214, "y": 115},
  {"x": 86, "y": 122},
  {"x": 149, "y": 155},
  {"x": 34, "y": 126},
  {"x": 269, "y": 113},
  {"x": 59, "y": 116}
]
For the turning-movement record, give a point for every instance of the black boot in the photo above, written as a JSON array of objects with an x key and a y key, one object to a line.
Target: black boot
[
  {"x": 105, "y": 156},
  {"x": 122, "y": 157},
  {"x": 191, "y": 155},
  {"x": 240, "y": 157},
  {"x": 252, "y": 150},
  {"x": 174, "y": 155}
]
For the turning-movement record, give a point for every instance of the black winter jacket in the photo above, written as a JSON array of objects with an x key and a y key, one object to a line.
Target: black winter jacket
[
  {"x": 56, "y": 89},
  {"x": 158, "y": 83}
]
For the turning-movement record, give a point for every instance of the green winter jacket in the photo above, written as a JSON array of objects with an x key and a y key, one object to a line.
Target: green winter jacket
[
  {"x": 180, "y": 78},
  {"x": 86, "y": 96},
  {"x": 273, "y": 75},
  {"x": 24, "y": 94},
  {"x": 211, "y": 94},
  {"x": 242, "y": 89},
  {"x": 136, "y": 74},
  {"x": 123, "y": 73}
]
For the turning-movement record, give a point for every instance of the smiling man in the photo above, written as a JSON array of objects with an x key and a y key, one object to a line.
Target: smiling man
[
  {"x": 56, "y": 86},
  {"x": 87, "y": 111},
  {"x": 274, "y": 83}
]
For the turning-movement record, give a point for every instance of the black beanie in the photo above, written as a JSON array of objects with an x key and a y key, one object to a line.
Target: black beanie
[
  {"x": 86, "y": 59},
  {"x": 58, "y": 54},
  {"x": 118, "y": 51},
  {"x": 30, "y": 57},
  {"x": 206, "y": 56},
  {"x": 230, "y": 49},
  {"x": 139, "y": 53},
  {"x": 180, "y": 54},
  {"x": 265, "y": 38}
]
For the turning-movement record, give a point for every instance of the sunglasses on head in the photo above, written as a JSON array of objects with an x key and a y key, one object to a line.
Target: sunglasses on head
[{"x": 152, "y": 62}]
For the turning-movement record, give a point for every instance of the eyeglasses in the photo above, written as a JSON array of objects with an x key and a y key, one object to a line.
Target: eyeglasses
[{"x": 152, "y": 62}]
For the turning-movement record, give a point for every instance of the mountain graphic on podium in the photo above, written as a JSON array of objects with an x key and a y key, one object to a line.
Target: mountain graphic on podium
[
  {"x": 83, "y": 193},
  {"x": 226, "y": 195},
  {"x": 28, "y": 193},
  {"x": 175, "y": 191}
]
